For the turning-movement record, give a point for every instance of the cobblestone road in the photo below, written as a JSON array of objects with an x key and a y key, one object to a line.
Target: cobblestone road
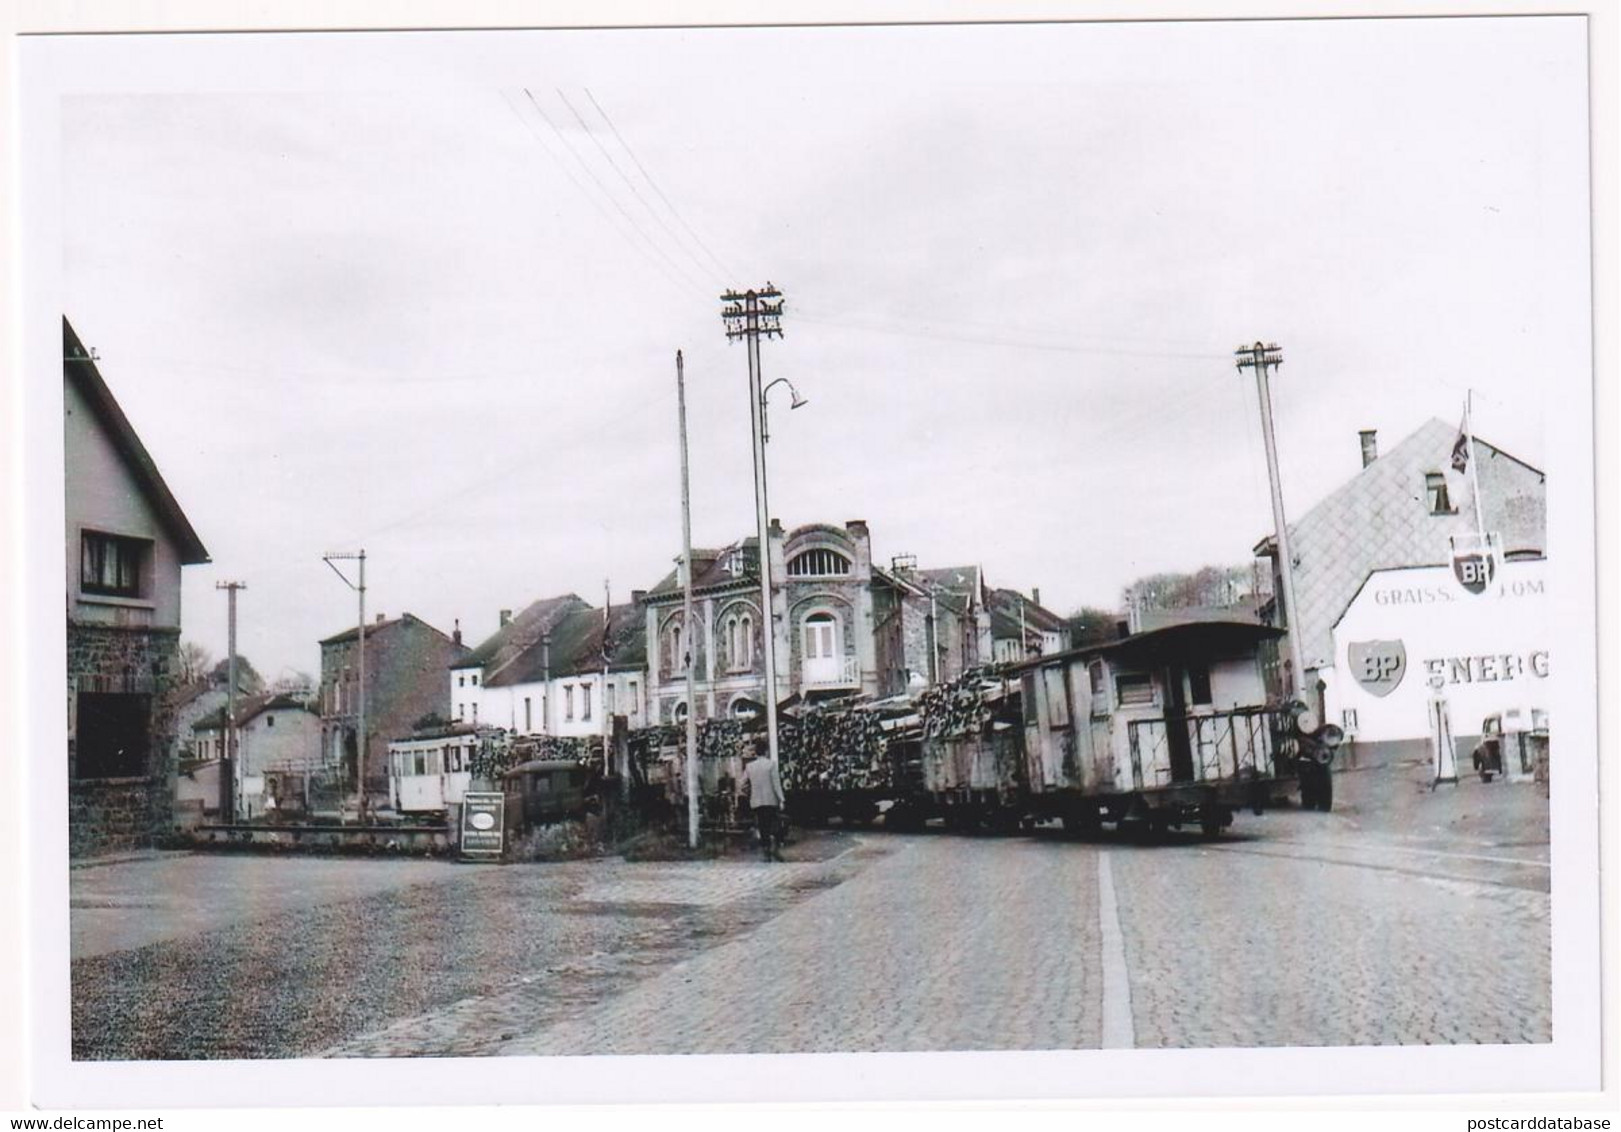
[
  {"x": 946, "y": 944},
  {"x": 1368, "y": 925}
]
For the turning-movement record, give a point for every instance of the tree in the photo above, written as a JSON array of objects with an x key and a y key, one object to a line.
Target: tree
[
  {"x": 247, "y": 677},
  {"x": 193, "y": 662},
  {"x": 1089, "y": 625},
  {"x": 1209, "y": 585}
]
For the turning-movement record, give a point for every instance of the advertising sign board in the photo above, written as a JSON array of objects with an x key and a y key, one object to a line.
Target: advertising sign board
[{"x": 483, "y": 824}]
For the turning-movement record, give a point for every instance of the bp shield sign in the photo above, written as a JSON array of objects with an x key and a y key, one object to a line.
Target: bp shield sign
[
  {"x": 1474, "y": 569},
  {"x": 1378, "y": 665},
  {"x": 483, "y": 824}
]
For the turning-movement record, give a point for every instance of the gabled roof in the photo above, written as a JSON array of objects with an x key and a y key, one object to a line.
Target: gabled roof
[
  {"x": 1010, "y": 608},
  {"x": 959, "y": 587},
  {"x": 576, "y": 647},
  {"x": 278, "y": 701},
  {"x": 508, "y": 642},
  {"x": 375, "y": 627},
  {"x": 80, "y": 371}
]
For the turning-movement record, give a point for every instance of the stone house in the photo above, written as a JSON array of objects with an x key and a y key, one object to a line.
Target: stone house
[
  {"x": 541, "y": 673},
  {"x": 126, "y": 542},
  {"x": 278, "y": 737},
  {"x": 406, "y": 660},
  {"x": 842, "y": 626},
  {"x": 1402, "y": 509}
]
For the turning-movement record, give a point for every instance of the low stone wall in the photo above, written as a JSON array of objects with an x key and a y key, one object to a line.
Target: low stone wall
[{"x": 112, "y": 815}]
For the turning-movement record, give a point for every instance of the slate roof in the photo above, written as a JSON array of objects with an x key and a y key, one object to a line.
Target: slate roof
[
  {"x": 709, "y": 570},
  {"x": 1005, "y": 615},
  {"x": 79, "y": 370},
  {"x": 510, "y": 640},
  {"x": 1151, "y": 619},
  {"x": 576, "y": 647},
  {"x": 1380, "y": 518},
  {"x": 957, "y": 586},
  {"x": 1182, "y": 639}
]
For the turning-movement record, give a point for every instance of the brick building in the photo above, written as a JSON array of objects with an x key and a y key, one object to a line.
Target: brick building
[
  {"x": 126, "y": 542},
  {"x": 406, "y": 660}
]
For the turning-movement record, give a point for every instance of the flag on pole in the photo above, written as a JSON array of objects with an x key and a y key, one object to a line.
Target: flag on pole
[{"x": 1460, "y": 447}]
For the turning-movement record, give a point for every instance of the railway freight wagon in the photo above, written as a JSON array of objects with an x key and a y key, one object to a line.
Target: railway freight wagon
[
  {"x": 1168, "y": 727},
  {"x": 962, "y": 758}
]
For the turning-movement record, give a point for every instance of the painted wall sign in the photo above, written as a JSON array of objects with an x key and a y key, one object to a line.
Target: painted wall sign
[
  {"x": 1378, "y": 665},
  {"x": 483, "y": 823},
  {"x": 1415, "y": 632}
]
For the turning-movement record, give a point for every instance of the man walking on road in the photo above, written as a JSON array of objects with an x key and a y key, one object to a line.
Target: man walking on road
[{"x": 765, "y": 799}]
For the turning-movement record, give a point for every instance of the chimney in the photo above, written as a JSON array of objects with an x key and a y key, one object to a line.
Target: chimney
[
  {"x": 506, "y": 618},
  {"x": 1035, "y": 595},
  {"x": 774, "y": 528},
  {"x": 1370, "y": 445},
  {"x": 637, "y": 597},
  {"x": 380, "y": 618},
  {"x": 456, "y": 633},
  {"x": 545, "y": 657}
]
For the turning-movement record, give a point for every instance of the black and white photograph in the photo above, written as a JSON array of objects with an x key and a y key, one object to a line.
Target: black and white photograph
[{"x": 1071, "y": 539}]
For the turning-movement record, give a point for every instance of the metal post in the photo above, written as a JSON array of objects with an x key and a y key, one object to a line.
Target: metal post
[
  {"x": 607, "y": 717},
  {"x": 691, "y": 762},
  {"x": 229, "y": 775},
  {"x": 360, "y": 742},
  {"x": 1260, "y": 357}
]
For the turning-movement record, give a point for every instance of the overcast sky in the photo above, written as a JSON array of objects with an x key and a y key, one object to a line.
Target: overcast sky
[{"x": 360, "y": 290}]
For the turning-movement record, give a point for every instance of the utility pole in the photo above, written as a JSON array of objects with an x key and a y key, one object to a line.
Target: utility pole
[
  {"x": 1262, "y": 358},
  {"x": 691, "y": 761},
  {"x": 750, "y": 315},
  {"x": 228, "y": 772},
  {"x": 607, "y": 716},
  {"x": 360, "y": 726}
]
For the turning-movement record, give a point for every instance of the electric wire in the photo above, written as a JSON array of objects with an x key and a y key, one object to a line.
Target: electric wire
[
  {"x": 635, "y": 192},
  {"x": 725, "y": 271},
  {"x": 595, "y": 203},
  {"x": 612, "y": 199}
]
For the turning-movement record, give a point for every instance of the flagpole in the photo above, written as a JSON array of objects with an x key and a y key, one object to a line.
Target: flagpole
[{"x": 1474, "y": 463}]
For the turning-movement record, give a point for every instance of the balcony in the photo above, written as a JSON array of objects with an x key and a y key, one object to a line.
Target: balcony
[{"x": 837, "y": 672}]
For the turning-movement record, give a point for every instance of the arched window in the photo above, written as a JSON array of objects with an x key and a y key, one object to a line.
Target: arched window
[
  {"x": 818, "y": 563},
  {"x": 675, "y": 648},
  {"x": 739, "y": 642}
]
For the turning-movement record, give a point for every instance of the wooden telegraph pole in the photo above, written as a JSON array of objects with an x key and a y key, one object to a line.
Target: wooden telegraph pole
[{"x": 685, "y": 636}]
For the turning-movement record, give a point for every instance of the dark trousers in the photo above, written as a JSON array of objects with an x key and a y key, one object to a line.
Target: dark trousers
[{"x": 765, "y": 820}]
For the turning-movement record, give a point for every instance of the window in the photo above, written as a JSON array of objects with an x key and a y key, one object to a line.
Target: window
[
  {"x": 819, "y": 563},
  {"x": 1435, "y": 486},
  {"x": 1057, "y": 697},
  {"x": 585, "y": 701},
  {"x": 528, "y": 722},
  {"x": 740, "y": 642},
  {"x": 568, "y": 702},
  {"x": 675, "y": 648},
  {"x": 1134, "y": 689},
  {"x": 1199, "y": 685},
  {"x": 474, "y": 678},
  {"x": 111, "y": 565},
  {"x": 821, "y": 635},
  {"x": 112, "y": 735},
  {"x": 270, "y": 721},
  {"x": 635, "y": 699},
  {"x": 608, "y": 700},
  {"x": 461, "y": 681},
  {"x": 461, "y": 711},
  {"x": 475, "y": 711},
  {"x": 419, "y": 760}
]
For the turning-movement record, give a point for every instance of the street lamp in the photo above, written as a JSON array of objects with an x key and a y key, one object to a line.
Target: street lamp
[
  {"x": 751, "y": 315},
  {"x": 331, "y": 559},
  {"x": 798, "y": 403}
]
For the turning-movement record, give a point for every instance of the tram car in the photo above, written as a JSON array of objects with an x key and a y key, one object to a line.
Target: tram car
[
  {"x": 1169, "y": 727},
  {"x": 431, "y": 770}
]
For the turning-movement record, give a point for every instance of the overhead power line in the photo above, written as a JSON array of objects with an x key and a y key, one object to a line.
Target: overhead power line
[
  {"x": 612, "y": 199},
  {"x": 725, "y": 271},
  {"x": 637, "y": 193}
]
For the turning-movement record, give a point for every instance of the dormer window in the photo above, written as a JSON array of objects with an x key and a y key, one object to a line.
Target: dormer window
[
  {"x": 1435, "y": 487},
  {"x": 818, "y": 563},
  {"x": 736, "y": 564}
]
